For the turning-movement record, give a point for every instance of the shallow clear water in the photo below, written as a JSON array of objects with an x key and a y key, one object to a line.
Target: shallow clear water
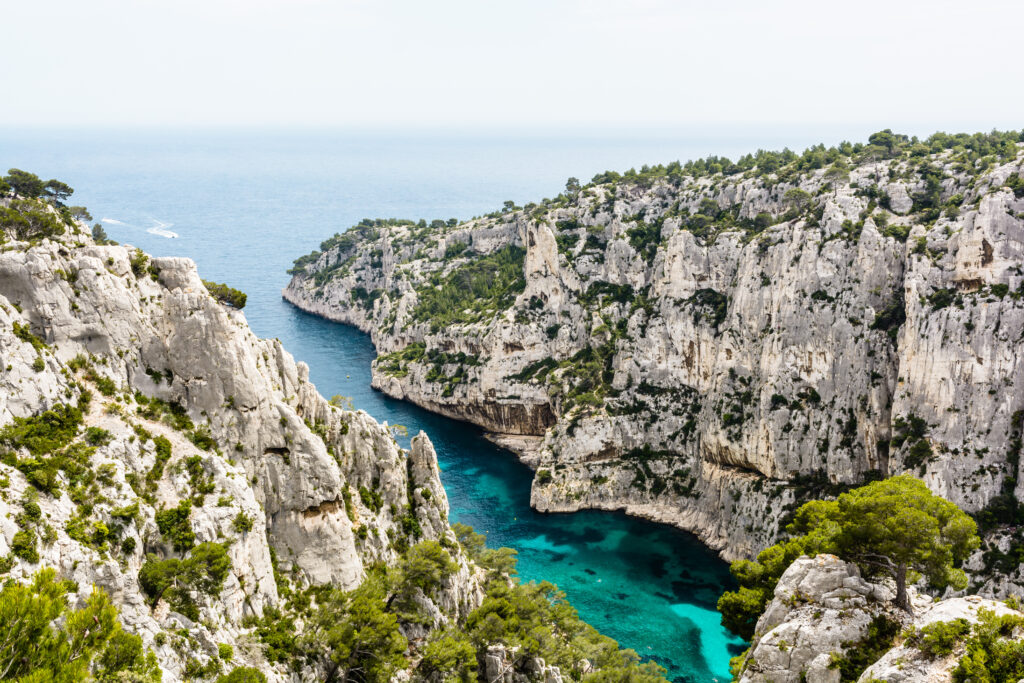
[{"x": 245, "y": 204}]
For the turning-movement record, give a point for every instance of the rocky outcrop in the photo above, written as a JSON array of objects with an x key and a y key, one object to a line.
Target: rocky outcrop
[
  {"x": 708, "y": 349},
  {"x": 823, "y": 613},
  {"x": 262, "y": 462}
]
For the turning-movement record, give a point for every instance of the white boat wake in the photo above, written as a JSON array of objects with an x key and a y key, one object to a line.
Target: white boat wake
[{"x": 159, "y": 229}]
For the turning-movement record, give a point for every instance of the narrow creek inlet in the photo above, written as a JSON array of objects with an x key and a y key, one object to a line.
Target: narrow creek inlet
[
  {"x": 651, "y": 587},
  {"x": 244, "y": 205}
]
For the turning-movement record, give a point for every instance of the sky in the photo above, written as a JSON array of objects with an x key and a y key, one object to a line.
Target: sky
[{"x": 569, "y": 64}]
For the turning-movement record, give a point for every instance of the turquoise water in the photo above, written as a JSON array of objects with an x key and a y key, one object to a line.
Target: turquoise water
[{"x": 245, "y": 204}]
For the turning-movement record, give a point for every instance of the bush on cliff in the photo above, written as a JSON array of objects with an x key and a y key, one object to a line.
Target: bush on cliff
[
  {"x": 489, "y": 283},
  {"x": 229, "y": 296},
  {"x": 893, "y": 528},
  {"x": 42, "y": 640},
  {"x": 29, "y": 220}
]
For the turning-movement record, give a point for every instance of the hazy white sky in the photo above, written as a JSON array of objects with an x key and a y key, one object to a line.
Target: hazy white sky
[{"x": 930, "y": 64}]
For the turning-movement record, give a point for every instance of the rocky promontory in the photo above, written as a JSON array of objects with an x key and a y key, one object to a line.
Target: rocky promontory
[{"x": 709, "y": 344}]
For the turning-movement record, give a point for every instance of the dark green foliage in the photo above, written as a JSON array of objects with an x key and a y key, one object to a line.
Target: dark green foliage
[
  {"x": 42, "y": 640},
  {"x": 891, "y": 318},
  {"x": 500, "y": 562},
  {"x": 859, "y": 655},
  {"x": 606, "y": 293},
  {"x": 104, "y": 384},
  {"x": 243, "y": 674},
  {"x": 710, "y": 306},
  {"x": 941, "y": 298},
  {"x": 566, "y": 242},
  {"x": 912, "y": 430},
  {"x": 455, "y": 249},
  {"x": 888, "y": 527},
  {"x": 395, "y": 364},
  {"x": 1016, "y": 183},
  {"x": 426, "y": 565},
  {"x": 900, "y": 233},
  {"x": 488, "y": 283},
  {"x": 994, "y": 652},
  {"x": 139, "y": 262},
  {"x": 48, "y": 438},
  {"x": 43, "y": 433},
  {"x": 645, "y": 238},
  {"x": 99, "y": 235},
  {"x": 1005, "y": 509},
  {"x": 181, "y": 581},
  {"x": 24, "y": 184},
  {"x": 29, "y": 220},
  {"x": 201, "y": 482},
  {"x": 355, "y": 635},
  {"x": 229, "y": 296},
  {"x": 939, "y": 638},
  {"x": 537, "y": 370},
  {"x": 175, "y": 526},
  {"x": 242, "y": 523},
  {"x": 24, "y": 333},
  {"x": 371, "y": 499},
  {"x": 449, "y": 657},
  {"x": 96, "y": 436},
  {"x": 23, "y": 545},
  {"x": 171, "y": 414},
  {"x": 202, "y": 438}
]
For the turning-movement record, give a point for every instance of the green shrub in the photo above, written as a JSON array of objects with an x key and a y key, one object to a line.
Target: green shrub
[
  {"x": 175, "y": 527},
  {"x": 229, "y": 296},
  {"x": 29, "y": 221},
  {"x": 928, "y": 535},
  {"x": 242, "y": 523},
  {"x": 23, "y": 545},
  {"x": 180, "y": 581},
  {"x": 994, "y": 650},
  {"x": 45, "y": 641},
  {"x": 939, "y": 638},
  {"x": 243, "y": 674},
  {"x": 44, "y": 433}
]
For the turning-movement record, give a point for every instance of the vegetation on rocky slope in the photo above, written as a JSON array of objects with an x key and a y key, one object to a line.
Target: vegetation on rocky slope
[
  {"x": 895, "y": 528},
  {"x": 685, "y": 325},
  {"x": 362, "y": 634},
  {"x": 896, "y": 532}
]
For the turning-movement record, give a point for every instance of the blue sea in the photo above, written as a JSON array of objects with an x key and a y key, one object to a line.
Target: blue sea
[{"x": 244, "y": 203}]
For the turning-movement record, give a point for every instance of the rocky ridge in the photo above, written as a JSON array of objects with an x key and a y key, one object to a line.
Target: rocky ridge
[
  {"x": 183, "y": 408},
  {"x": 708, "y": 345}
]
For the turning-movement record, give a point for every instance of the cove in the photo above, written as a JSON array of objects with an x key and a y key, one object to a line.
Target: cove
[
  {"x": 245, "y": 204},
  {"x": 649, "y": 586}
]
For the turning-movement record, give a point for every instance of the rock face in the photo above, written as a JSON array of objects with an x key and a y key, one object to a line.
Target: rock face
[
  {"x": 706, "y": 349},
  {"x": 269, "y": 466},
  {"x": 823, "y": 611}
]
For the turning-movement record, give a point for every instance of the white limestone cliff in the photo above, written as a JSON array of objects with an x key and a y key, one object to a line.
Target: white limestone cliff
[
  {"x": 714, "y": 379},
  {"x": 78, "y": 317}
]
